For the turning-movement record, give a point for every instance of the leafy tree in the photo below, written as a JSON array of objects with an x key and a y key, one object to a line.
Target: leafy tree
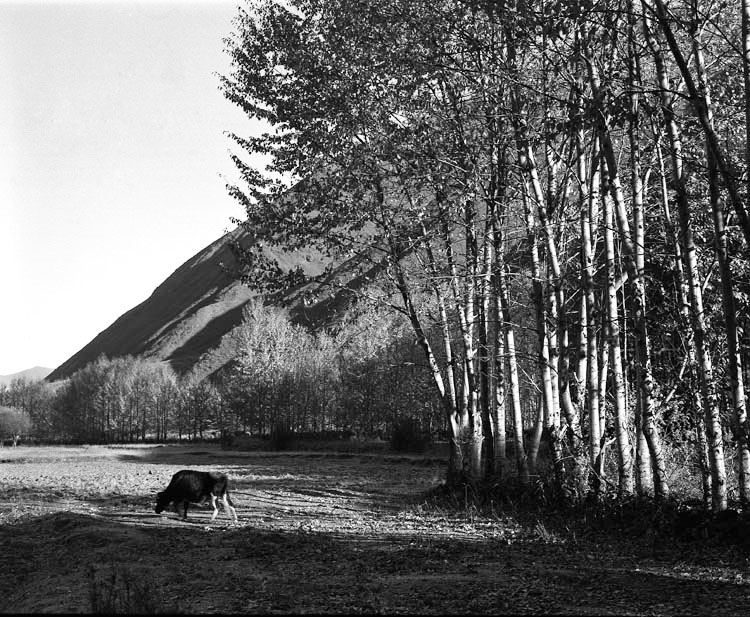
[{"x": 14, "y": 424}]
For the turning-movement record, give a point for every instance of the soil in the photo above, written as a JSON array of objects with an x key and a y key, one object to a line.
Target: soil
[{"x": 319, "y": 533}]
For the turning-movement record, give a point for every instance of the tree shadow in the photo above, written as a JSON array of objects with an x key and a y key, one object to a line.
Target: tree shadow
[{"x": 246, "y": 569}]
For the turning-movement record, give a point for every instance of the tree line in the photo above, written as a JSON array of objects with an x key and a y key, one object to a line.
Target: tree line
[
  {"x": 359, "y": 380},
  {"x": 573, "y": 170}
]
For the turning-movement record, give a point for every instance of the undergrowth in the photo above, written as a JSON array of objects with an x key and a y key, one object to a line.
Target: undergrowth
[
  {"x": 552, "y": 514},
  {"x": 282, "y": 437},
  {"x": 408, "y": 436}
]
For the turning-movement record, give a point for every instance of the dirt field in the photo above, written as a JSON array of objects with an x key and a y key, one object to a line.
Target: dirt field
[{"x": 317, "y": 533}]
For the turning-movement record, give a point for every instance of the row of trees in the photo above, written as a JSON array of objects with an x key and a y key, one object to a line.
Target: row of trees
[
  {"x": 591, "y": 157},
  {"x": 123, "y": 399},
  {"x": 361, "y": 378}
]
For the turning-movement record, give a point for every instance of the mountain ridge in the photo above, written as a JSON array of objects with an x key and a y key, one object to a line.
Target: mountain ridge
[{"x": 34, "y": 373}]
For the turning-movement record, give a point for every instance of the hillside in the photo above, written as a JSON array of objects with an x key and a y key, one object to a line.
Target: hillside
[
  {"x": 184, "y": 320},
  {"x": 32, "y": 374},
  {"x": 188, "y": 319}
]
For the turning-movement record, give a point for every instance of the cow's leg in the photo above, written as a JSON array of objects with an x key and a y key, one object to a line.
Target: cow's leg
[
  {"x": 228, "y": 508},
  {"x": 214, "y": 506},
  {"x": 184, "y": 515}
]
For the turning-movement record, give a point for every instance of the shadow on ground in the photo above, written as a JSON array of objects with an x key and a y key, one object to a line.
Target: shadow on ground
[{"x": 51, "y": 561}]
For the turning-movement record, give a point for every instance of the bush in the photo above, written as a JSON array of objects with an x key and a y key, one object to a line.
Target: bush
[
  {"x": 408, "y": 436},
  {"x": 282, "y": 436}
]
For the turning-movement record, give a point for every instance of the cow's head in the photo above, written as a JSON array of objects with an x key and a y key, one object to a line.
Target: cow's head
[{"x": 162, "y": 501}]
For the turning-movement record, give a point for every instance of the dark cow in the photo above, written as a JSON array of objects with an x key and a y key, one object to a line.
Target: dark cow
[{"x": 190, "y": 486}]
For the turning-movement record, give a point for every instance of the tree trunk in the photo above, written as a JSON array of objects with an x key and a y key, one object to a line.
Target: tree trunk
[
  {"x": 464, "y": 303},
  {"x": 536, "y": 436},
  {"x": 505, "y": 352},
  {"x": 499, "y": 415},
  {"x": 551, "y": 408},
  {"x": 661, "y": 487},
  {"x": 734, "y": 360},
  {"x": 515, "y": 392},
  {"x": 690, "y": 259},
  {"x": 589, "y": 211},
  {"x": 485, "y": 401},
  {"x": 625, "y": 485},
  {"x": 659, "y": 10},
  {"x": 456, "y": 420},
  {"x": 643, "y": 481}
]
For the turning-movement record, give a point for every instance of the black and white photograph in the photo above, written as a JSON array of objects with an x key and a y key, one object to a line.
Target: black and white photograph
[{"x": 418, "y": 307}]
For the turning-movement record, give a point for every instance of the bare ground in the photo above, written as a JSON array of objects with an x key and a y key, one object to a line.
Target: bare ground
[{"x": 319, "y": 533}]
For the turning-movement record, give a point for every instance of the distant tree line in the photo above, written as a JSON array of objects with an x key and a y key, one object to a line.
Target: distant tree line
[{"x": 358, "y": 379}]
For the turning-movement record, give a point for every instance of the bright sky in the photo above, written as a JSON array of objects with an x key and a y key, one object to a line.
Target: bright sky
[{"x": 111, "y": 161}]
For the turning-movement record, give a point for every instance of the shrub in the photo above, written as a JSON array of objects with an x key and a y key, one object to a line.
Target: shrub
[
  {"x": 408, "y": 436},
  {"x": 282, "y": 436}
]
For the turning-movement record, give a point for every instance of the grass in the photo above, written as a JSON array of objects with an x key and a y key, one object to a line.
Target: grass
[{"x": 121, "y": 591}]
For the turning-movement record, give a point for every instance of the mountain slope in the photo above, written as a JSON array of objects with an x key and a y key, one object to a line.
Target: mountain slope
[
  {"x": 31, "y": 374},
  {"x": 185, "y": 318}
]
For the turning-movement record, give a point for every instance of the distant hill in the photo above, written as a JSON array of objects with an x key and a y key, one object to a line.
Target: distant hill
[
  {"x": 31, "y": 374},
  {"x": 188, "y": 319}
]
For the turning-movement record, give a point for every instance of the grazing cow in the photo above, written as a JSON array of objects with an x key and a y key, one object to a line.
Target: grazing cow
[{"x": 190, "y": 486}]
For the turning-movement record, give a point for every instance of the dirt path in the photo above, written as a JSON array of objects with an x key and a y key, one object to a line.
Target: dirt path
[{"x": 317, "y": 533}]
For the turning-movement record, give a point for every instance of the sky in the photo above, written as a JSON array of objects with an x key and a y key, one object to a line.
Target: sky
[{"x": 113, "y": 161}]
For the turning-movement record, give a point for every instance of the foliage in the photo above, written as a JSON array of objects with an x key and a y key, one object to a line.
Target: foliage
[
  {"x": 35, "y": 398},
  {"x": 124, "y": 399},
  {"x": 355, "y": 377},
  {"x": 14, "y": 424},
  {"x": 408, "y": 435}
]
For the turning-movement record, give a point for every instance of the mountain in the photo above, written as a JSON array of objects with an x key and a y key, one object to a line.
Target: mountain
[
  {"x": 188, "y": 319},
  {"x": 31, "y": 374}
]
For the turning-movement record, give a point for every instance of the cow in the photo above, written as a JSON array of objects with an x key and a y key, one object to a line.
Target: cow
[{"x": 190, "y": 486}]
